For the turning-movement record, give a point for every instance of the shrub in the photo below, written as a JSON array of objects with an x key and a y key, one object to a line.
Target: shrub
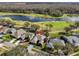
[
  {"x": 57, "y": 13},
  {"x": 7, "y": 37},
  {"x": 54, "y": 35}
]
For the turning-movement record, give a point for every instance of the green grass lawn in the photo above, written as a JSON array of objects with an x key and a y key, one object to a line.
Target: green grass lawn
[{"x": 57, "y": 25}]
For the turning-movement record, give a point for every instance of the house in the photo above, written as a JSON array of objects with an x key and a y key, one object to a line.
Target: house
[
  {"x": 1, "y": 29},
  {"x": 64, "y": 38},
  {"x": 73, "y": 40},
  {"x": 34, "y": 39},
  {"x": 41, "y": 32},
  {"x": 6, "y": 29},
  {"x": 13, "y": 31},
  {"x": 50, "y": 45},
  {"x": 41, "y": 39},
  {"x": 38, "y": 37},
  {"x": 20, "y": 33},
  {"x": 76, "y": 34},
  {"x": 31, "y": 35},
  {"x": 5, "y": 24},
  {"x": 11, "y": 44},
  {"x": 57, "y": 40}
]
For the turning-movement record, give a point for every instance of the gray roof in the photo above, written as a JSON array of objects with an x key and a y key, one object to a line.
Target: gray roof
[
  {"x": 50, "y": 45},
  {"x": 73, "y": 40},
  {"x": 20, "y": 32},
  {"x": 57, "y": 40}
]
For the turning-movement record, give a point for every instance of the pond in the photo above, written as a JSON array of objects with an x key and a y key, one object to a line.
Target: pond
[
  {"x": 32, "y": 19},
  {"x": 25, "y": 18}
]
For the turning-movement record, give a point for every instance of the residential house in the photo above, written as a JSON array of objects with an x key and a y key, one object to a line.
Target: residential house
[
  {"x": 73, "y": 40},
  {"x": 41, "y": 39},
  {"x": 6, "y": 29},
  {"x": 76, "y": 34},
  {"x": 34, "y": 39},
  {"x": 20, "y": 33},
  {"x": 50, "y": 45},
  {"x": 31, "y": 35},
  {"x": 1, "y": 29},
  {"x": 13, "y": 32},
  {"x": 38, "y": 37},
  {"x": 57, "y": 40}
]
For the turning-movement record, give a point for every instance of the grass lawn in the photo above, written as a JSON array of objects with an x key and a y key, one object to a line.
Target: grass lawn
[{"x": 57, "y": 25}]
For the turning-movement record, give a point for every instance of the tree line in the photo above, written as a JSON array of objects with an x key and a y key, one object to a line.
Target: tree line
[{"x": 57, "y": 12}]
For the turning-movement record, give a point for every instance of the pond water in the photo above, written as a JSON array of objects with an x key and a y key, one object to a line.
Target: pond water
[
  {"x": 29, "y": 18},
  {"x": 25, "y": 18}
]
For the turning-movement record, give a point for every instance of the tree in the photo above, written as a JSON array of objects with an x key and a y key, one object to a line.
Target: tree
[
  {"x": 68, "y": 49},
  {"x": 56, "y": 13},
  {"x": 35, "y": 27},
  {"x": 77, "y": 23},
  {"x": 57, "y": 47},
  {"x": 7, "y": 37},
  {"x": 49, "y": 26},
  {"x": 2, "y": 21},
  {"x": 67, "y": 29},
  {"x": 46, "y": 32},
  {"x": 26, "y": 24},
  {"x": 9, "y": 22}
]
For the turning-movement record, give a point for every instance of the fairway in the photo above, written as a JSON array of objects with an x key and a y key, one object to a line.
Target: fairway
[{"x": 56, "y": 25}]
